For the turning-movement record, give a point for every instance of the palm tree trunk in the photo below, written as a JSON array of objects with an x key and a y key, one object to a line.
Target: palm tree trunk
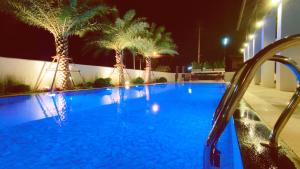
[
  {"x": 120, "y": 66},
  {"x": 60, "y": 106},
  {"x": 148, "y": 70},
  {"x": 63, "y": 74}
]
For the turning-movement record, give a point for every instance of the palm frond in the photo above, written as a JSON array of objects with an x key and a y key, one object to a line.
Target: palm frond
[
  {"x": 121, "y": 33},
  {"x": 129, "y": 15},
  {"x": 73, "y": 4},
  {"x": 57, "y": 16},
  {"x": 156, "y": 42}
]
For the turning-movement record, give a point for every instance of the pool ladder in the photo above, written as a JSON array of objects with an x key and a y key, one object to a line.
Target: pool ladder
[{"x": 236, "y": 90}]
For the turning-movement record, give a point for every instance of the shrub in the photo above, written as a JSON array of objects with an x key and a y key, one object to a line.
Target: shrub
[
  {"x": 219, "y": 64},
  {"x": 138, "y": 80},
  {"x": 161, "y": 80},
  {"x": 102, "y": 82},
  {"x": 207, "y": 65},
  {"x": 9, "y": 85},
  {"x": 196, "y": 65},
  {"x": 89, "y": 84},
  {"x": 17, "y": 88},
  {"x": 2, "y": 87},
  {"x": 86, "y": 85}
]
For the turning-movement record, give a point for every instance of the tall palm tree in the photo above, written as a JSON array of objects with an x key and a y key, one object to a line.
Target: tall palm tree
[
  {"x": 120, "y": 35},
  {"x": 154, "y": 44},
  {"x": 62, "y": 18}
]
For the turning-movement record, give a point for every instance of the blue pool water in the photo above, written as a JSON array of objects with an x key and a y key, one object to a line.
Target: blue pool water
[{"x": 142, "y": 127}]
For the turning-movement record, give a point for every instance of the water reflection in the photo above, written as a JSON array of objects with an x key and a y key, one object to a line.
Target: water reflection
[
  {"x": 190, "y": 91},
  {"x": 147, "y": 92},
  {"x": 53, "y": 105},
  {"x": 21, "y": 109},
  {"x": 155, "y": 108}
]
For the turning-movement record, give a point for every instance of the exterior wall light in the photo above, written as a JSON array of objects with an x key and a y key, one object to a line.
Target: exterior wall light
[
  {"x": 245, "y": 44},
  {"x": 275, "y": 2},
  {"x": 251, "y": 36},
  {"x": 259, "y": 24}
]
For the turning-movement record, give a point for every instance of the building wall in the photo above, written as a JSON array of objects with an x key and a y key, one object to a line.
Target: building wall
[
  {"x": 28, "y": 71},
  {"x": 269, "y": 36},
  {"x": 289, "y": 25},
  {"x": 282, "y": 21},
  {"x": 256, "y": 48}
]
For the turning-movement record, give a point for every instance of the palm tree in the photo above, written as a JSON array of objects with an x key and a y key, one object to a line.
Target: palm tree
[
  {"x": 62, "y": 18},
  {"x": 156, "y": 43},
  {"x": 120, "y": 35}
]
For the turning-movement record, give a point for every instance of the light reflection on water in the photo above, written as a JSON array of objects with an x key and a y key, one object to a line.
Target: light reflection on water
[
  {"x": 57, "y": 105},
  {"x": 152, "y": 126}
]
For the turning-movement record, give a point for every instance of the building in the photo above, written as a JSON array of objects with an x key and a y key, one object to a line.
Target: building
[{"x": 263, "y": 22}]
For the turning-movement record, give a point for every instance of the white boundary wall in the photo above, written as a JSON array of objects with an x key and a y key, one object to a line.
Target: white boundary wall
[{"x": 27, "y": 72}]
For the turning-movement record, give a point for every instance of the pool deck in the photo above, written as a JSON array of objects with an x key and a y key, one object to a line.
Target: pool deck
[{"x": 269, "y": 103}]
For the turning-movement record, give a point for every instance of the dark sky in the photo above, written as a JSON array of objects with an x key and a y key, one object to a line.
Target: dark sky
[{"x": 181, "y": 17}]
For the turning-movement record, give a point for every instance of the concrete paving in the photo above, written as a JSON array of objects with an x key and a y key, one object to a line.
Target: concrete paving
[{"x": 269, "y": 103}]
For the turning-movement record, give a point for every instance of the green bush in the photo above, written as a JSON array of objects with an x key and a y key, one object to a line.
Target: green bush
[
  {"x": 2, "y": 88},
  {"x": 17, "y": 88},
  {"x": 161, "y": 80},
  {"x": 196, "y": 65},
  {"x": 207, "y": 65},
  {"x": 219, "y": 64},
  {"x": 102, "y": 82},
  {"x": 89, "y": 84},
  {"x": 86, "y": 85},
  {"x": 9, "y": 85},
  {"x": 138, "y": 80}
]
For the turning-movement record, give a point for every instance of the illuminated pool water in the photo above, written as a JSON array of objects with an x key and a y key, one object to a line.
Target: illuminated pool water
[{"x": 152, "y": 127}]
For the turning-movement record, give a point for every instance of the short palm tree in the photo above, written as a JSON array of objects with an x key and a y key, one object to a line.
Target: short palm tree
[
  {"x": 62, "y": 18},
  {"x": 156, "y": 43},
  {"x": 120, "y": 35}
]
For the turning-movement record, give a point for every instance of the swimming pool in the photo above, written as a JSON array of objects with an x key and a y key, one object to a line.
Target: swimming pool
[{"x": 161, "y": 126}]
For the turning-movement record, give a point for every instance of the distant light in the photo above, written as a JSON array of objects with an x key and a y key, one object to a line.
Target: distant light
[
  {"x": 155, "y": 108},
  {"x": 251, "y": 36},
  {"x": 242, "y": 50},
  {"x": 225, "y": 41},
  {"x": 259, "y": 24},
  {"x": 127, "y": 83},
  {"x": 245, "y": 44},
  {"x": 189, "y": 68},
  {"x": 51, "y": 94},
  {"x": 190, "y": 91},
  {"x": 275, "y": 2}
]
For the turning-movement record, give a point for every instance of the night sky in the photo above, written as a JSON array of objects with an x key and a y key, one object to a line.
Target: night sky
[{"x": 217, "y": 19}]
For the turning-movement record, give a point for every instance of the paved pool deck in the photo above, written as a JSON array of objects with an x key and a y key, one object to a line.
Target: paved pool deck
[{"x": 269, "y": 103}]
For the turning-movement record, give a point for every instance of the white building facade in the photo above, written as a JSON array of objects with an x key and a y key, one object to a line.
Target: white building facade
[{"x": 282, "y": 21}]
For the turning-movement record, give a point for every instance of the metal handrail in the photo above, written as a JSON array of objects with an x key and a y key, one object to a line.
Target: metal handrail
[
  {"x": 235, "y": 92},
  {"x": 294, "y": 101},
  {"x": 229, "y": 90}
]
